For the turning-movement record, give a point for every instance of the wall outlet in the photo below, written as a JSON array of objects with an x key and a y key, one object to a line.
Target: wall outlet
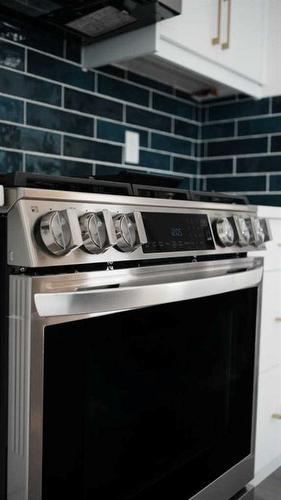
[{"x": 132, "y": 147}]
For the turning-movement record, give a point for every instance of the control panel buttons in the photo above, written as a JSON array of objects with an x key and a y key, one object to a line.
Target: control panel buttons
[
  {"x": 97, "y": 231},
  {"x": 60, "y": 231},
  {"x": 244, "y": 234},
  {"x": 225, "y": 232},
  {"x": 130, "y": 231},
  {"x": 259, "y": 233}
]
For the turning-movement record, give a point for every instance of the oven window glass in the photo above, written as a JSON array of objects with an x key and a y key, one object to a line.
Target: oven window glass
[{"x": 142, "y": 404}]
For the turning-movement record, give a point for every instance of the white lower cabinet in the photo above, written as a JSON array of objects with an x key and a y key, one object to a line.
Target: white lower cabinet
[
  {"x": 268, "y": 431},
  {"x": 270, "y": 339},
  {"x": 268, "y": 437}
]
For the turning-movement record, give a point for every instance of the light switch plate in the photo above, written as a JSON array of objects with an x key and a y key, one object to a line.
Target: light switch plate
[{"x": 132, "y": 147}]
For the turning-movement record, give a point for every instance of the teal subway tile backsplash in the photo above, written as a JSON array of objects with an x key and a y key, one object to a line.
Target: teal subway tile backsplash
[
  {"x": 57, "y": 166},
  {"x": 235, "y": 183},
  {"x": 218, "y": 130},
  {"x": 12, "y": 56},
  {"x": 171, "y": 144},
  {"x": 257, "y": 164},
  {"x": 24, "y": 138},
  {"x": 173, "y": 106},
  {"x": 212, "y": 167},
  {"x": 92, "y": 104},
  {"x": 181, "y": 165},
  {"x": 57, "y": 119},
  {"x": 28, "y": 87},
  {"x": 115, "y": 132},
  {"x": 259, "y": 126},
  {"x": 148, "y": 119},
  {"x": 60, "y": 71},
  {"x": 10, "y": 161},
  {"x": 237, "y": 147},
  {"x": 238, "y": 109},
  {"x": 11, "y": 110},
  {"x": 118, "y": 89},
  {"x": 92, "y": 150}
]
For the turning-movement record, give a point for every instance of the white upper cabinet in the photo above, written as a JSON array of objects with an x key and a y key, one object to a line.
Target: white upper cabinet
[
  {"x": 222, "y": 39},
  {"x": 216, "y": 42}
]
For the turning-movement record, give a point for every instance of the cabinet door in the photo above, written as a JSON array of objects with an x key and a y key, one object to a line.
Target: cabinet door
[
  {"x": 270, "y": 341},
  {"x": 268, "y": 436},
  {"x": 198, "y": 25}
]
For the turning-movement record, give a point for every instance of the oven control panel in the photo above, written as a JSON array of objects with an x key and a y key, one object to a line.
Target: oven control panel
[
  {"x": 58, "y": 233},
  {"x": 177, "y": 232}
]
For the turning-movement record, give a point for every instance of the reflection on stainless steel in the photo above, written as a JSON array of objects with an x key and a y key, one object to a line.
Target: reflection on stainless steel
[{"x": 123, "y": 298}]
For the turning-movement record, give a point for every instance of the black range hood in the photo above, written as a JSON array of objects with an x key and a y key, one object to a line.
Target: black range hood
[{"x": 91, "y": 20}]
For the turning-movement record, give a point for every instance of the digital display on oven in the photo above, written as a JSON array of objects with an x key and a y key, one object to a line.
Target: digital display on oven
[{"x": 168, "y": 232}]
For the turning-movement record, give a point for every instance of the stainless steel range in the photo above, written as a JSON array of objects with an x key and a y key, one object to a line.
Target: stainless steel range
[{"x": 129, "y": 345}]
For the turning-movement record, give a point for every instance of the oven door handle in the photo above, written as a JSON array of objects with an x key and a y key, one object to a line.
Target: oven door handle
[{"x": 108, "y": 300}]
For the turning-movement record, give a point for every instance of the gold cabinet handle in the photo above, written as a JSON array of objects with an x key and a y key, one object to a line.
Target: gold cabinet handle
[
  {"x": 216, "y": 39},
  {"x": 276, "y": 416},
  {"x": 226, "y": 45}
]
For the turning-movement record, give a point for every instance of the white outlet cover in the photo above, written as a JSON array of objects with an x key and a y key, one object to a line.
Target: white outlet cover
[{"x": 132, "y": 147}]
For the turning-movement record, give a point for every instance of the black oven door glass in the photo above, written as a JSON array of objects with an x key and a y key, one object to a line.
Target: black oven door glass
[{"x": 151, "y": 403}]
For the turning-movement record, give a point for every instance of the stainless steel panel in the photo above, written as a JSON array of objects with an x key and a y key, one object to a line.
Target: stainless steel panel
[
  {"x": 109, "y": 300},
  {"x": 24, "y": 216},
  {"x": 27, "y": 352},
  {"x": 19, "y": 388}
]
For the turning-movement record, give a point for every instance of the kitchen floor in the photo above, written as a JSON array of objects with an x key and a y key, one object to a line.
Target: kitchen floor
[{"x": 270, "y": 488}]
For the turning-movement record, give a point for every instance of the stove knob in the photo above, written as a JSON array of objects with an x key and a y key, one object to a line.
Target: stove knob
[
  {"x": 98, "y": 231},
  {"x": 225, "y": 232},
  {"x": 130, "y": 231},
  {"x": 258, "y": 231},
  {"x": 60, "y": 232},
  {"x": 244, "y": 235}
]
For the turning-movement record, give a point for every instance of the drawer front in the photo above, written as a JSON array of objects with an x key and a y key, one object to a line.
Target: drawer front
[
  {"x": 268, "y": 436},
  {"x": 270, "y": 340}
]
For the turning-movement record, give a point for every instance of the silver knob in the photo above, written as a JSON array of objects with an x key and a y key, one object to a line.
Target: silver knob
[
  {"x": 98, "y": 232},
  {"x": 130, "y": 231},
  {"x": 244, "y": 235},
  {"x": 225, "y": 232},
  {"x": 258, "y": 231},
  {"x": 60, "y": 231}
]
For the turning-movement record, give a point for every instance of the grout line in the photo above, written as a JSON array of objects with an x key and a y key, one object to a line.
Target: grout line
[
  {"x": 24, "y": 112},
  {"x": 25, "y": 60},
  {"x": 149, "y": 139},
  {"x": 269, "y": 144},
  {"x": 24, "y": 162},
  {"x": 267, "y": 186},
  {"x": 234, "y": 165},
  {"x": 150, "y": 100},
  {"x": 235, "y": 128},
  {"x": 270, "y": 105},
  {"x": 171, "y": 163},
  {"x": 62, "y": 145},
  {"x": 63, "y": 97},
  {"x": 95, "y": 129}
]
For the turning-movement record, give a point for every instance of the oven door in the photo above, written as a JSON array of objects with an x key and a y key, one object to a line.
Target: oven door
[{"x": 133, "y": 384}]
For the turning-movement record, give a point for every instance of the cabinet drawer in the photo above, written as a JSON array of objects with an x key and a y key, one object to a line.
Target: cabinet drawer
[
  {"x": 268, "y": 436},
  {"x": 270, "y": 340}
]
